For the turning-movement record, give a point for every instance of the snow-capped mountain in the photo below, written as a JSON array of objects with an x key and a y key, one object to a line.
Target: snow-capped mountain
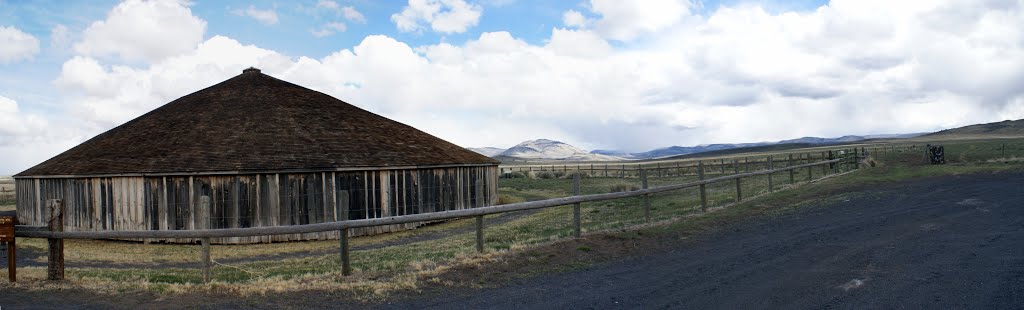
[{"x": 555, "y": 150}]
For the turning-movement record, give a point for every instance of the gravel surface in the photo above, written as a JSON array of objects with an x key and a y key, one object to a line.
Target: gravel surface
[{"x": 952, "y": 242}]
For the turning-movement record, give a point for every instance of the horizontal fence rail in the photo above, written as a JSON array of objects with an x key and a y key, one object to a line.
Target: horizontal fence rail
[
  {"x": 40, "y": 232},
  {"x": 55, "y": 234}
]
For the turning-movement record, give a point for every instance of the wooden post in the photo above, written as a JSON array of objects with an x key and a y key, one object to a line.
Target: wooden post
[
  {"x": 576, "y": 207},
  {"x": 746, "y": 162},
  {"x": 206, "y": 259},
  {"x": 606, "y": 170},
  {"x": 55, "y": 261},
  {"x": 623, "y": 171},
  {"x": 739, "y": 190},
  {"x": 647, "y": 198},
  {"x": 480, "y": 233},
  {"x": 723, "y": 165},
  {"x": 12, "y": 261},
  {"x": 771, "y": 165},
  {"x": 856, "y": 159},
  {"x": 824, "y": 168},
  {"x": 792, "y": 174},
  {"x": 7, "y": 227},
  {"x": 346, "y": 265},
  {"x": 703, "y": 195},
  {"x": 809, "y": 176}
]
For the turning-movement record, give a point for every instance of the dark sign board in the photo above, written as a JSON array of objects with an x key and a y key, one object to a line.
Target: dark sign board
[{"x": 7, "y": 228}]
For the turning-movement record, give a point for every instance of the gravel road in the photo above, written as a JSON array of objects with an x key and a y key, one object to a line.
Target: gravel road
[{"x": 951, "y": 242}]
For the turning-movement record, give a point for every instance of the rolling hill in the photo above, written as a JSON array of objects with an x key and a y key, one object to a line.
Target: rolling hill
[{"x": 1006, "y": 128}]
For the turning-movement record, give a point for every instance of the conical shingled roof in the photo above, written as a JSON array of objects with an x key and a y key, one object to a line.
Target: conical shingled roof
[{"x": 254, "y": 122}]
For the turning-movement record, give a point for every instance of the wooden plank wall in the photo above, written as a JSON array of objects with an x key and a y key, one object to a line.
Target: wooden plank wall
[{"x": 257, "y": 200}]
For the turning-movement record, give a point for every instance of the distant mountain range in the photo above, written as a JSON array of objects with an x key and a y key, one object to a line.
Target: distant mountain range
[{"x": 545, "y": 149}]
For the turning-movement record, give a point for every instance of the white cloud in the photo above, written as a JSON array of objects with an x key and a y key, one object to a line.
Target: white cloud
[
  {"x": 445, "y": 16},
  {"x": 329, "y": 29},
  {"x": 573, "y": 18},
  {"x": 353, "y": 15},
  {"x": 60, "y": 36},
  {"x": 266, "y": 17},
  {"x": 26, "y": 138},
  {"x": 625, "y": 20},
  {"x": 327, "y": 4},
  {"x": 16, "y": 45},
  {"x": 109, "y": 95},
  {"x": 143, "y": 30}
]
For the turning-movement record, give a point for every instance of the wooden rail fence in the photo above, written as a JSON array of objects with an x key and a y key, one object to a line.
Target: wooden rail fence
[{"x": 55, "y": 235}]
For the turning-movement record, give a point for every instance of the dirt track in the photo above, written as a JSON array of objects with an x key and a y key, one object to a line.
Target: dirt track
[{"x": 952, "y": 242}]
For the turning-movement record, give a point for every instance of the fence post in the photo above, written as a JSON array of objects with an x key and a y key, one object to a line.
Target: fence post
[
  {"x": 723, "y": 165},
  {"x": 792, "y": 174},
  {"x": 809, "y": 174},
  {"x": 576, "y": 207},
  {"x": 346, "y": 264},
  {"x": 771, "y": 166},
  {"x": 623, "y": 171},
  {"x": 12, "y": 255},
  {"x": 205, "y": 257},
  {"x": 746, "y": 162},
  {"x": 55, "y": 259},
  {"x": 480, "y": 233},
  {"x": 856, "y": 159},
  {"x": 739, "y": 191},
  {"x": 647, "y": 197},
  {"x": 703, "y": 196},
  {"x": 824, "y": 168}
]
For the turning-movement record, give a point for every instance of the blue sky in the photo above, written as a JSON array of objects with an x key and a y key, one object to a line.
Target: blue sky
[{"x": 600, "y": 74}]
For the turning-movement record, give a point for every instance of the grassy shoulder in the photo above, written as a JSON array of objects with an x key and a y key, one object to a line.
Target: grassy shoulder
[{"x": 529, "y": 245}]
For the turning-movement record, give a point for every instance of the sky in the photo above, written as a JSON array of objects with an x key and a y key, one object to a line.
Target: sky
[{"x": 598, "y": 74}]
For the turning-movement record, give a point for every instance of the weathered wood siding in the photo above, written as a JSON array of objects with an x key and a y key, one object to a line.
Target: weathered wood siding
[{"x": 256, "y": 200}]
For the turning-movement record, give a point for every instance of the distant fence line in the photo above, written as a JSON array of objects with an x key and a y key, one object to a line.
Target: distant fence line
[
  {"x": 721, "y": 165},
  {"x": 844, "y": 161}
]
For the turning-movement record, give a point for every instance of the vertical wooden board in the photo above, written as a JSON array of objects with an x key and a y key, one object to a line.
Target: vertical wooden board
[
  {"x": 300, "y": 191},
  {"x": 244, "y": 200},
  {"x": 192, "y": 203},
  {"x": 332, "y": 194},
  {"x": 374, "y": 193},
  {"x": 257, "y": 196},
  {"x": 203, "y": 217},
  {"x": 284, "y": 196},
  {"x": 162, "y": 207},
  {"x": 157, "y": 208},
  {"x": 36, "y": 202},
  {"x": 383, "y": 182},
  {"x": 138, "y": 203},
  {"x": 344, "y": 204},
  {"x": 317, "y": 196},
  {"x": 173, "y": 200}
]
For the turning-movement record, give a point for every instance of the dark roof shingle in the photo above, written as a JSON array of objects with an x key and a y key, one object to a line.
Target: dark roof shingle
[{"x": 254, "y": 122}]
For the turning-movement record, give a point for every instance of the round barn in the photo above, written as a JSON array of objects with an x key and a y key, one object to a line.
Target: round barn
[{"x": 255, "y": 151}]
